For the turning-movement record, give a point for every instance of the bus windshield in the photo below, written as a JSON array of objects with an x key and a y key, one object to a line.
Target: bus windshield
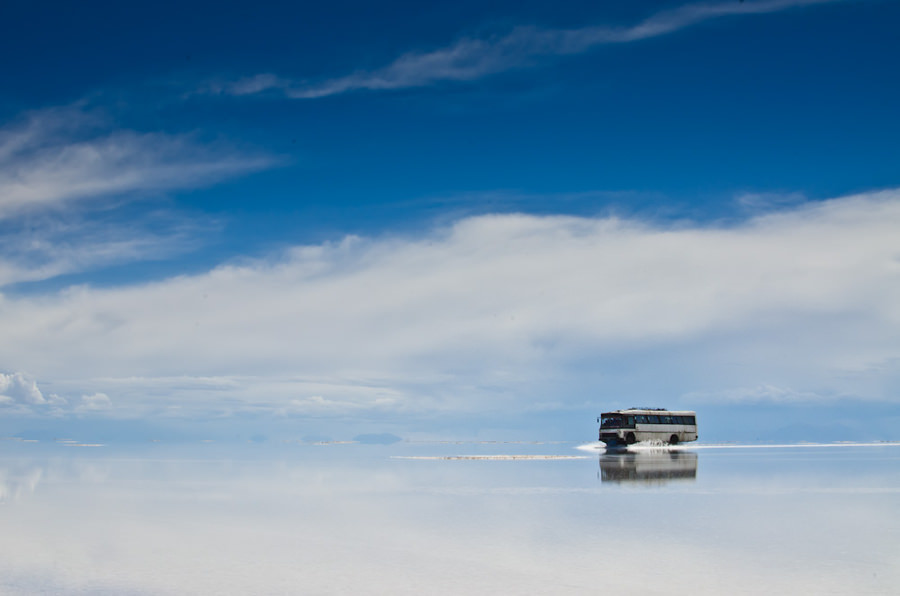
[{"x": 611, "y": 421}]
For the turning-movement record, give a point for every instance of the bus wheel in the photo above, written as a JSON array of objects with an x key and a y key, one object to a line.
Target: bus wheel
[
  {"x": 673, "y": 440},
  {"x": 629, "y": 439}
]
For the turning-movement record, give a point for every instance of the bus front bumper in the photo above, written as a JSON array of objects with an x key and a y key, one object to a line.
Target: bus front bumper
[{"x": 612, "y": 439}]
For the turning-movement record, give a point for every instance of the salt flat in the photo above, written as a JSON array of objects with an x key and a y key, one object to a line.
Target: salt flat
[{"x": 525, "y": 518}]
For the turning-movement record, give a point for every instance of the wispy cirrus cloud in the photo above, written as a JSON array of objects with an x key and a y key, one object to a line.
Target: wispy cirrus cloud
[
  {"x": 45, "y": 246},
  {"x": 62, "y": 167},
  {"x": 472, "y": 58},
  {"x": 53, "y": 157}
]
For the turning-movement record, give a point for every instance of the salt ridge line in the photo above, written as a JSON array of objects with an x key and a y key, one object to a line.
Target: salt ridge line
[{"x": 490, "y": 457}]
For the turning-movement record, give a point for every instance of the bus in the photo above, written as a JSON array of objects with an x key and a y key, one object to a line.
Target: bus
[{"x": 627, "y": 427}]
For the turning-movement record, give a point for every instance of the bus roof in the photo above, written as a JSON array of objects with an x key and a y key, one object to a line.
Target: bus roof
[{"x": 651, "y": 412}]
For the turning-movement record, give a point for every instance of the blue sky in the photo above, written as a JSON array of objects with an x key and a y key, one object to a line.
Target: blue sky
[{"x": 462, "y": 218}]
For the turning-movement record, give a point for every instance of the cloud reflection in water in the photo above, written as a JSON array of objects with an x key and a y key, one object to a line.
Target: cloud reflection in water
[{"x": 313, "y": 520}]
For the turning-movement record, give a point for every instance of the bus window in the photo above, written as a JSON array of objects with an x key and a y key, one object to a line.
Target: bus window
[
  {"x": 690, "y": 420},
  {"x": 666, "y": 420},
  {"x": 640, "y": 419},
  {"x": 629, "y": 422},
  {"x": 653, "y": 419}
]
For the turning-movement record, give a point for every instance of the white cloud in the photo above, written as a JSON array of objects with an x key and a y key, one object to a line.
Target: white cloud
[
  {"x": 473, "y": 58},
  {"x": 18, "y": 388},
  {"x": 42, "y": 247},
  {"x": 97, "y": 401},
  {"x": 56, "y": 164},
  {"x": 20, "y": 395},
  {"x": 58, "y": 155},
  {"x": 495, "y": 312},
  {"x": 757, "y": 394}
]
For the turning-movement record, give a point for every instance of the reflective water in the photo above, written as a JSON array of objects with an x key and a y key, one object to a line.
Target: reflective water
[{"x": 426, "y": 518}]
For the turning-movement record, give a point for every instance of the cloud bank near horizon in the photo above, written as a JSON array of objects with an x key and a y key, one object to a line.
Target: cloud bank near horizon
[
  {"x": 472, "y": 58},
  {"x": 492, "y": 312}
]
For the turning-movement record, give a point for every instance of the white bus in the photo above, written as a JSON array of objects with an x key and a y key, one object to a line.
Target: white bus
[{"x": 626, "y": 427}]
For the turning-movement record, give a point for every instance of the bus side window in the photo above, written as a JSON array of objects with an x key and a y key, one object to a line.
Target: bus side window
[
  {"x": 640, "y": 419},
  {"x": 653, "y": 419},
  {"x": 630, "y": 422},
  {"x": 679, "y": 419},
  {"x": 690, "y": 420},
  {"x": 667, "y": 420}
]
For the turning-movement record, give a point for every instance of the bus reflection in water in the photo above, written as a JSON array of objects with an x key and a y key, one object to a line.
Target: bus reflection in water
[{"x": 651, "y": 468}]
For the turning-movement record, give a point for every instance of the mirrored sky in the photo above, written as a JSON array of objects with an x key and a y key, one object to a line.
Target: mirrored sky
[{"x": 336, "y": 519}]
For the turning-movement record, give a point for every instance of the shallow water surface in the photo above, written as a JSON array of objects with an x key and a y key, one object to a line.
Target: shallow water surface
[{"x": 449, "y": 518}]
